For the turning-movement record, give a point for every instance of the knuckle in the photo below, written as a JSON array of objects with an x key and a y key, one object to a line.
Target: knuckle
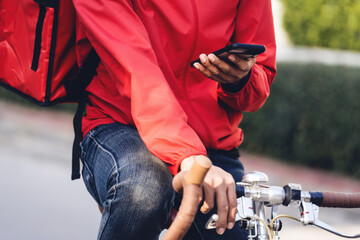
[
  {"x": 229, "y": 178},
  {"x": 227, "y": 70},
  {"x": 223, "y": 207},
  {"x": 207, "y": 74},
  {"x": 233, "y": 205},
  {"x": 222, "y": 220},
  {"x": 236, "y": 60},
  {"x": 221, "y": 184},
  {"x": 243, "y": 67},
  {"x": 215, "y": 71},
  {"x": 248, "y": 66}
]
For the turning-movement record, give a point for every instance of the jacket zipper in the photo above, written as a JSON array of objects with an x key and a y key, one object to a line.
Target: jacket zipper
[
  {"x": 43, "y": 4},
  {"x": 203, "y": 123},
  {"x": 52, "y": 54},
  {"x": 38, "y": 32}
]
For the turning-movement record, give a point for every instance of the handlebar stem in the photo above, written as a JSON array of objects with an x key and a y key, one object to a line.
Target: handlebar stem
[{"x": 260, "y": 212}]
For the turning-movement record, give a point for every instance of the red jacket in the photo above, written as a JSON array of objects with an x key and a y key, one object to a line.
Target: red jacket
[{"x": 145, "y": 80}]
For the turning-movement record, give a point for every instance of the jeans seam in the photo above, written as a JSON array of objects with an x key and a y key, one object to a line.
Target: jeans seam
[
  {"x": 90, "y": 172},
  {"x": 117, "y": 181}
]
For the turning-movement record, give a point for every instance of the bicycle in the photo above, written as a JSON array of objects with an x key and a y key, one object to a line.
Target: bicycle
[{"x": 255, "y": 198}]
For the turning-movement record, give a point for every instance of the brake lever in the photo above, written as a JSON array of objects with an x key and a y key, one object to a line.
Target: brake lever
[
  {"x": 244, "y": 211},
  {"x": 328, "y": 228},
  {"x": 310, "y": 215}
]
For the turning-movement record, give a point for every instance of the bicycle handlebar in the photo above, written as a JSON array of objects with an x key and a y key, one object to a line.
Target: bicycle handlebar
[
  {"x": 340, "y": 200},
  {"x": 321, "y": 199},
  {"x": 254, "y": 195}
]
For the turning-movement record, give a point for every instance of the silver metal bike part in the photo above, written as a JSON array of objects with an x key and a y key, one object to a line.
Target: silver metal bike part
[
  {"x": 272, "y": 195},
  {"x": 277, "y": 223},
  {"x": 308, "y": 212},
  {"x": 310, "y": 216},
  {"x": 328, "y": 228},
  {"x": 211, "y": 223},
  {"x": 244, "y": 212},
  {"x": 305, "y": 196},
  {"x": 262, "y": 233},
  {"x": 257, "y": 197},
  {"x": 253, "y": 230},
  {"x": 245, "y": 209},
  {"x": 255, "y": 178},
  {"x": 295, "y": 186}
]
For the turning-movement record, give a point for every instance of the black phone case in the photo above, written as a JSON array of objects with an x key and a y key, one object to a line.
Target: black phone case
[{"x": 237, "y": 48}]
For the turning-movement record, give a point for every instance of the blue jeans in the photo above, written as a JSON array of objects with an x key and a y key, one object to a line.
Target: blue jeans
[{"x": 134, "y": 187}]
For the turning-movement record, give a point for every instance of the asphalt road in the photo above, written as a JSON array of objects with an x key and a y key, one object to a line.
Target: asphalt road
[{"x": 38, "y": 201}]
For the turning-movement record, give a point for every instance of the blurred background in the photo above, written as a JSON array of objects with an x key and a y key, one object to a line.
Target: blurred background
[{"x": 307, "y": 133}]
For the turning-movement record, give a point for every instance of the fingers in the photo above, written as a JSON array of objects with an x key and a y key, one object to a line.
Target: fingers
[
  {"x": 226, "y": 206},
  {"x": 214, "y": 68},
  {"x": 244, "y": 63},
  {"x": 225, "y": 72},
  {"x": 206, "y": 68},
  {"x": 232, "y": 205},
  {"x": 177, "y": 181},
  {"x": 222, "y": 212},
  {"x": 222, "y": 186},
  {"x": 209, "y": 198}
]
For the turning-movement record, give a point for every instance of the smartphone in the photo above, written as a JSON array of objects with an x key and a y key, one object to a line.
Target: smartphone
[{"x": 246, "y": 50}]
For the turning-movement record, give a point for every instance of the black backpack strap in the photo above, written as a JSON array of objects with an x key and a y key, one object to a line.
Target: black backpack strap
[
  {"x": 77, "y": 91},
  {"x": 83, "y": 77},
  {"x": 76, "y": 151}
]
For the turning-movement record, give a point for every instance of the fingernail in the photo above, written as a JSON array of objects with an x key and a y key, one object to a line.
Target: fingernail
[
  {"x": 232, "y": 58},
  {"x": 196, "y": 65},
  {"x": 211, "y": 58},
  {"x": 204, "y": 209},
  {"x": 203, "y": 58},
  {"x": 221, "y": 231},
  {"x": 230, "y": 225}
]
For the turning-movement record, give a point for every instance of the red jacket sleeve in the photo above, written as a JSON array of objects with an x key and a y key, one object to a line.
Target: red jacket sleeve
[
  {"x": 130, "y": 60},
  {"x": 254, "y": 24}
]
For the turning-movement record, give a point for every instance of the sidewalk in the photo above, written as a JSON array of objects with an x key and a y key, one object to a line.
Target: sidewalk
[{"x": 38, "y": 197}]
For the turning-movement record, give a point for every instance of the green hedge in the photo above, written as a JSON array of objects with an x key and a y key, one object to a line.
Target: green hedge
[
  {"x": 312, "y": 117},
  {"x": 324, "y": 23}
]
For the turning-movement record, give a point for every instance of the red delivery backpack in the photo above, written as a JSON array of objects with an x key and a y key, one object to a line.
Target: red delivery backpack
[{"x": 38, "y": 59}]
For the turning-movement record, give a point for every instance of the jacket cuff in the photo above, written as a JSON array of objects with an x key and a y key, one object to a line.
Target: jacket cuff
[
  {"x": 175, "y": 166},
  {"x": 236, "y": 87}
]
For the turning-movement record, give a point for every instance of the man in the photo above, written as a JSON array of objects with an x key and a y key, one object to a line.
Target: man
[{"x": 150, "y": 114}]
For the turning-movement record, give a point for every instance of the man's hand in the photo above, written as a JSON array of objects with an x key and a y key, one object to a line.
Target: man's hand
[
  {"x": 221, "y": 71},
  {"x": 221, "y": 185}
]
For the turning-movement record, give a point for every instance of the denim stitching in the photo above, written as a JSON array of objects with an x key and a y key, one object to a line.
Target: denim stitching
[{"x": 117, "y": 174}]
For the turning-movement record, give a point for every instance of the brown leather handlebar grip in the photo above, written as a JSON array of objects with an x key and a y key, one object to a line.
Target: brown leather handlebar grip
[
  {"x": 191, "y": 184},
  {"x": 198, "y": 170},
  {"x": 340, "y": 200}
]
